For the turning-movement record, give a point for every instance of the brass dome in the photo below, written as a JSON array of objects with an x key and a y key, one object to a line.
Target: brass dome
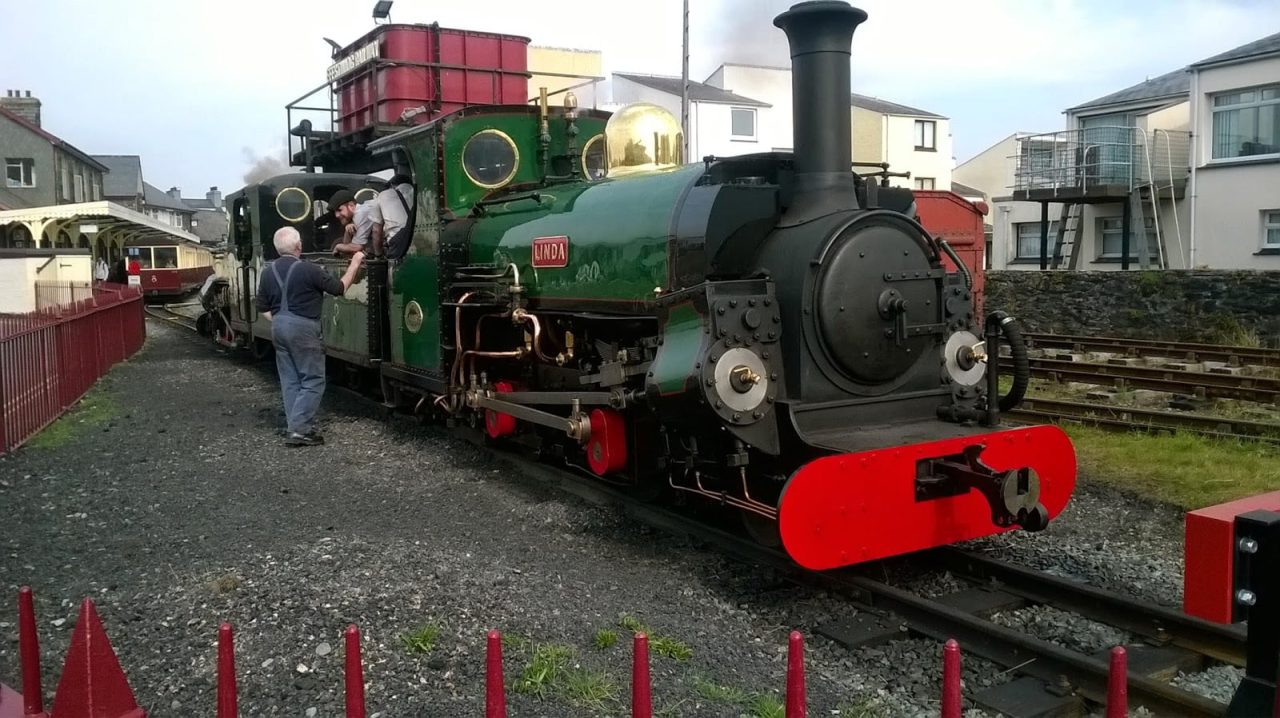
[{"x": 643, "y": 137}]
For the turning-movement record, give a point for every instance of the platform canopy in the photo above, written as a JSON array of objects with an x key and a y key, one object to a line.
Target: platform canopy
[{"x": 104, "y": 227}]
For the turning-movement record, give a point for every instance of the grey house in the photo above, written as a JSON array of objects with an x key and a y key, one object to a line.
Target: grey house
[{"x": 41, "y": 169}]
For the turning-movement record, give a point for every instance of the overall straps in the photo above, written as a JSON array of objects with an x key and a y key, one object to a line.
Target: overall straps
[{"x": 284, "y": 284}]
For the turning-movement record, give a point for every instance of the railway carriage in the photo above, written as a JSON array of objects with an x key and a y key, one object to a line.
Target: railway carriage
[
  {"x": 170, "y": 268},
  {"x": 767, "y": 334}
]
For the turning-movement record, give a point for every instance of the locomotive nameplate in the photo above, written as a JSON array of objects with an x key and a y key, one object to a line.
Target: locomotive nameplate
[{"x": 551, "y": 251}]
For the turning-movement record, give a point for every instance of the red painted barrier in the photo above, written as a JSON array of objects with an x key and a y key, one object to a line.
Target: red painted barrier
[
  {"x": 1118, "y": 684},
  {"x": 495, "y": 696},
  {"x": 797, "y": 706},
  {"x": 50, "y": 358},
  {"x": 951, "y": 679},
  {"x": 354, "y": 674},
  {"x": 227, "y": 707},
  {"x": 641, "y": 686},
  {"x": 29, "y": 655}
]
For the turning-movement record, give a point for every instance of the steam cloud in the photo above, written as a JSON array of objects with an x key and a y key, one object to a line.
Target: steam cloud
[
  {"x": 743, "y": 32},
  {"x": 264, "y": 166}
]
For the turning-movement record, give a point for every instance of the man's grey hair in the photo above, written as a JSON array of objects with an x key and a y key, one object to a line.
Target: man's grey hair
[{"x": 287, "y": 241}]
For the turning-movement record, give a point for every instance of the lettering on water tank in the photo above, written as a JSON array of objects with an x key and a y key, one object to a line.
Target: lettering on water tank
[{"x": 551, "y": 251}]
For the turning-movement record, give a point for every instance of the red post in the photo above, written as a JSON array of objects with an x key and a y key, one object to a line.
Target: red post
[
  {"x": 495, "y": 696},
  {"x": 227, "y": 707},
  {"x": 29, "y": 654},
  {"x": 796, "y": 704},
  {"x": 1118, "y": 684},
  {"x": 354, "y": 674},
  {"x": 641, "y": 687},
  {"x": 951, "y": 679}
]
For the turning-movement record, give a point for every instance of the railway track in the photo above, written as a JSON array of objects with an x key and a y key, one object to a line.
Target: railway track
[
  {"x": 998, "y": 584},
  {"x": 1231, "y": 355},
  {"x": 1174, "y": 381},
  {"x": 164, "y": 313},
  {"x": 1106, "y": 416}
]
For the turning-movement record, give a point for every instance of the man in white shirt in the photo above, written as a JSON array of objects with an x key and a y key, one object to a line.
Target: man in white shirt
[
  {"x": 393, "y": 205},
  {"x": 359, "y": 229}
]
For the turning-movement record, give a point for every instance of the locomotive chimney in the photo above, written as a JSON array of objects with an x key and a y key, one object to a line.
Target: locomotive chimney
[{"x": 820, "y": 34}]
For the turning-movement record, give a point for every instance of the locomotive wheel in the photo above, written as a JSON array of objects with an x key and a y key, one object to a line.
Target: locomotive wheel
[{"x": 761, "y": 530}]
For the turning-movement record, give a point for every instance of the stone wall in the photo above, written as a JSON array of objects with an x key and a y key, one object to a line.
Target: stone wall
[{"x": 1218, "y": 306}]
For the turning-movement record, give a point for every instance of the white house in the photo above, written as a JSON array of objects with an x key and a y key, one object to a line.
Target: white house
[
  {"x": 1191, "y": 158},
  {"x": 912, "y": 141},
  {"x": 721, "y": 123}
]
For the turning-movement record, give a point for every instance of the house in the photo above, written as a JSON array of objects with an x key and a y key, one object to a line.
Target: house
[
  {"x": 1235, "y": 168},
  {"x": 721, "y": 123},
  {"x": 1131, "y": 170},
  {"x": 563, "y": 70},
  {"x": 166, "y": 207},
  {"x": 209, "y": 220},
  {"x": 123, "y": 184},
  {"x": 913, "y": 142},
  {"x": 40, "y": 169}
]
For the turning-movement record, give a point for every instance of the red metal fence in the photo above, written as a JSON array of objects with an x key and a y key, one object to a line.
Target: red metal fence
[
  {"x": 50, "y": 295},
  {"x": 50, "y": 358}
]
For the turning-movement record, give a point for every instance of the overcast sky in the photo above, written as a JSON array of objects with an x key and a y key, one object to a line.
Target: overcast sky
[{"x": 198, "y": 88}]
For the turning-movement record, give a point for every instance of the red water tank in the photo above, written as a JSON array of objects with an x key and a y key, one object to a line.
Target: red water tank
[
  {"x": 959, "y": 222},
  {"x": 395, "y": 68}
]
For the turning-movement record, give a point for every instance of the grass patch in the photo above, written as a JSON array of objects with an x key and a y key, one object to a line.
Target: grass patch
[
  {"x": 96, "y": 408},
  {"x": 1185, "y": 470},
  {"x": 605, "y": 638},
  {"x": 592, "y": 689},
  {"x": 665, "y": 646},
  {"x": 716, "y": 693},
  {"x": 421, "y": 640},
  {"x": 766, "y": 705},
  {"x": 546, "y": 667}
]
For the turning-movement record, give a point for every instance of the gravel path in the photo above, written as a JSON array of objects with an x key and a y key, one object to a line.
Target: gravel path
[{"x": 182, "y": 510}]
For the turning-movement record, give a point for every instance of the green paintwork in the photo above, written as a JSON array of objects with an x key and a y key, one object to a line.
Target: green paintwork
[
  {"x": 414, "y": 278},
  {"x": 617, "y": 230},
  {"x": 682, "y": 337}
]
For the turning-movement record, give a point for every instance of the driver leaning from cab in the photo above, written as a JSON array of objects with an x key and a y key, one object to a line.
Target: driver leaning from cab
[{"x": 357, "y": 221}]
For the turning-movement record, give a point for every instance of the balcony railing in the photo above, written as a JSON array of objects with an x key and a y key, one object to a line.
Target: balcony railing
[{"x": 1100, "y": 160}]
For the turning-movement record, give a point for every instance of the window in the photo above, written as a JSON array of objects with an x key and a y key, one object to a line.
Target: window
[
  {"x": 926, "y": 135},
  {"x": 1111, "y": 239},
  {"x": 78, "y": 183},
  {"x": 97, "y": 189},
  {"x": 166, "y": 257},
  {"x": 66, "y": 182},
  {"x": 1028, "y": 236},
  {"x": 19, "y": 172},
  {"x": 1247, "y": 123},
  {"x": 1271, "y": 229},
  {"x": 742, "y": 121},
  {"x": 924, "y": 183}
]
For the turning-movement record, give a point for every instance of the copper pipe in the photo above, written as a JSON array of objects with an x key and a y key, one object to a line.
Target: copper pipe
[
  {"x": 758, "y": 508},
  {"x": 521, "y": 315}
]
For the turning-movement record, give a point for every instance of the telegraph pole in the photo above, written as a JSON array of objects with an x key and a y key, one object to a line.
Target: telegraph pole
[{"x": 684, "y": 87}]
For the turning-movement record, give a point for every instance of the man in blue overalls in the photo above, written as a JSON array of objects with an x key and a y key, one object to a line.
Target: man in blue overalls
[{"x": 291, "y": 294}]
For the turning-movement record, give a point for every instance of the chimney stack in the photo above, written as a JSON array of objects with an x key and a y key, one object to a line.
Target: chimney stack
[
  {"x": 214, "y": 197},
  {"x": 28, "y": 108},
  {"x": 820, "y": 34},
  {"x": 175, "y": 193}
]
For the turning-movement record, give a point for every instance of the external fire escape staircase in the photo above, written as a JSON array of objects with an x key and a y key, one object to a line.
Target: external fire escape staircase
[{"x": 1100, "y": 165}]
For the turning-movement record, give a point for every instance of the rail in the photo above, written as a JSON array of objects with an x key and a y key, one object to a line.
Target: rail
[
  {"x": 1073, "y": 162},
  {"x": 50, "y": 358},
  {"x": 1190, "y": 351}
]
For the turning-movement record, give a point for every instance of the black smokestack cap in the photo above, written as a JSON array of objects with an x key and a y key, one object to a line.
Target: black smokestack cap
[{"x": 821, "y": 36}]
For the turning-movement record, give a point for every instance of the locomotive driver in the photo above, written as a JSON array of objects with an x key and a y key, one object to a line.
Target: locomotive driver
[
  {"x": 357, "y": 221},
  {"x": 290, "y": 295}
]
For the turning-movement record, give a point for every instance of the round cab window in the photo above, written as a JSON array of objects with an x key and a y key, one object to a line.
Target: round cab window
[
  {"x": 593, "y": 160},
  {"x": 293, "y": 204},
  {"x": 365, "y": 195},
  {"x": 490, "y": 158}
]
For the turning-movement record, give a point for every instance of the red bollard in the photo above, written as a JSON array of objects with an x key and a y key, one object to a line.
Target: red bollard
[
  {"x": 29, "y": 652},
  {"x": 495, "y": 696},
  {"x": 641, "y": 687},
  {"x": 227, "y": 707},
  {"x": 354, "y": 674},
  {"x": 796, "y": 704},
  {"x": 951, "y": 679},
  {"x": 1118, "y": 684}
]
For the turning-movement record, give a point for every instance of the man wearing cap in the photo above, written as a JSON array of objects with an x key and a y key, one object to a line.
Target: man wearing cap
[
  {"x": 357, "y": 221},
  {"x": 291, "y": 294}
]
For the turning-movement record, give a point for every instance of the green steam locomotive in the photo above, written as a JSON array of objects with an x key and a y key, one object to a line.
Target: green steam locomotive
[{"x": 769, "y": 333}]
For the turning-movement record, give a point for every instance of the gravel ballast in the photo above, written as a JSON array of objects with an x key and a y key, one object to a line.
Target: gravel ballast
[{"x": 183, "y": 510}]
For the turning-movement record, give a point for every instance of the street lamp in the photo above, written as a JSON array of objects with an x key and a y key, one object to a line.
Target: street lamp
[{"x": 382, "y": 10}]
